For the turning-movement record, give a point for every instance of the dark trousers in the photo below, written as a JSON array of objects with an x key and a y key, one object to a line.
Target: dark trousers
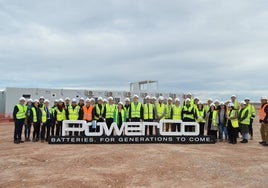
[
  {"x": 45, "y": 130},
  {"x": 233, "y": 133},
  {"x": 18, "y": 129},
  {"x": 27, "y": 131},
  {"x": 201, "y": 128},
  {"x": 36, "y": 132},
  {"x": 176, "y": 127},
  {"x": 251, "y": 128},
  {"x": 109, "y": 122},
  {"x": 189, "y": 128},
  {"x": 213, "y": 133},
  {"x": 149, "y": 128},
  {"x": 59, "y": 128},
  {"x": 52, "y": 128}
]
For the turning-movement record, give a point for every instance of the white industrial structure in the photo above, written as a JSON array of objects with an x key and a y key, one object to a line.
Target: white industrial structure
[{"x": 9, "y": 97}]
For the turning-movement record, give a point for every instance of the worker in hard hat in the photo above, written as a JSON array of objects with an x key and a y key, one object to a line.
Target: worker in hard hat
[
  {"x": 109, "y": 110},
  {"x": 28, "y": 122},
  {"x": 264, "y": 121},
  {"x": 217, "y": 104},
  {"x": 235, "y": 102},
  {"x": 176, "y": 114},
  {"x": 136, "y": 110},
  {"x": 67, "y": 103},
  {"x": 19, "y": 116},
  {"x": 189, "y": 96},
  {"x": 188, "y": 114},
  {"x": 126, "y": 107},
  {"x": 252, "y": 112},
  {"x": 98, "y": 114},
  {"x": 232, "y": 124},
  {"x": 74, "y": 112},
  {"x": 212, "y": 121},
  {"x": 37, "y": 119},
  {"x": 207, "y": 106},
  {"x": 41, "y": 101},
  {"x": 244, "y": 121},
  {"x": 222, "y": 113},
  {"x": 81, "y": 102},
  {"x": 169, "y": 106},
  {"x": 60, "y": 115},
  {"x": 47, "y": 118},
  {"x": 119, "y": 115},
  {"x": 53, "y": 108},
  {"x": 148, "y": 114},
  {"x": 200, "y": 115},
  {"x": 87, "y": 110},
  {"x": 105, "y": 101}
]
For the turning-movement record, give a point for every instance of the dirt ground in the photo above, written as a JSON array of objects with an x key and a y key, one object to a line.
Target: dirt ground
[{"x": 151, "y": 165}]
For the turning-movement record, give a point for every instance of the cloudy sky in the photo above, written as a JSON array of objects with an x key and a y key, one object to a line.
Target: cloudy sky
[{"x": 212, "y": 48}]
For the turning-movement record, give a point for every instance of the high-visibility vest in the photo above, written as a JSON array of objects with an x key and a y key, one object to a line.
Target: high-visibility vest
[
  {"x": 98, "y": 111},
  {"x": 233, "y": 117},
  {"x": 21, "y": 114},
  {"x": 168, "y": 111},
  {"x": 44, "y": 114},
  {"x": 247, "y": 120},
  {"x": 189, "y": 109},
  {"x": 87, "y": 113},
  {"x": 110, "y": 109},
  {"x": 34, "y": 115},
  {"x": 160, "y": 110},
  {"x": 73, "y": 112},
  {"x": 148, "y": 111},
  {"x": 214, "y": 118},
  {"x": 200, "y": 116},
  {"x": 135, "y": 110},
  {"x": 207, "y": 107},
  {"x": 236, "y": 105},
  {"x": 61, "y": 115},
  {"x": 127, "y": 111},
  {"x": 177, "y": 112},
  {"x": 251, "y": 111},
  {"x": 262, "y": 112},
  {"x": 116, "y": 116}
]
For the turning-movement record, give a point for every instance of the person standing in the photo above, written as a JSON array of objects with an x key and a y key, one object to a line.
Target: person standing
[
  {"x": 235, "y": 102},
  {"x": 98, "y": 114},
  {"x": 67, "y": 102},
  {"x": 119, "y": 115},
  {"x": 200, "y": 117},
  {"x": 37, "y": 115},
  {"x": 87, "y": 112},
  {"x": 19, "y": 116},
  {"x": 188, "y": 114},
  {"x": 212, "y": 121},
  {"x": 232, "y": 124},
  {"x": 169, "y": 106},
  {"x": 109, "y": 110},
  {"x": 148, "y": 115},
  {"x": 222, "y": 113},
  {"x": 207, "y": 107},
  {"x": 28, "y": 124},
  {"x": 60, "y": 115},
  {"x": 252, "y": 112},
  {"x": 126, "y": 107},
  {"x": 176, "y": 114},
  {"x": 244, "y": 121},
  {"x": 264, "y": 121},
  {"x": 73, "y": 113},
  {"x": 54, "y": 117},
  {"x": 136, "y": 110},
  {"x": 47, "y": 119}
]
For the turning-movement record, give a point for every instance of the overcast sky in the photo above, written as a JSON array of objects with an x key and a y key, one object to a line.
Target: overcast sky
[{"x": 212, "y": 48}]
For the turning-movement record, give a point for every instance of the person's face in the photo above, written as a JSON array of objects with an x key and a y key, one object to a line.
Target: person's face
[
  {"x": 263, "y": 101},
  {"x": 111, "y": 101},
  {"x": 41, "y": 101},
  {"x": 29, "y": 103},
  {"x": 189, "y": 96},
  {"x": 22, "y": 102},
  {"x": 135, "y": 99},
  {"x": 67, "y": 101},
  {"x": 127, "y": 102},
  {"x": 147, "y": 100},
  {"x": 99, "y": 101},
  {"x": 233, "y": 98},
  {"x": 247, "y": 102},
  {"x": 60, "y": 103},
  {"x": 120, "y": 106},
  {"x": 222, "y": 106},
  {"x": 169, "y": 102},
  {"x": 36, "y": 104},
  {"x": 187, "y": 103},
  {"x": 87, "y": 103},
  {"x": 209, "y": 101},
  {"x": 46, "y": 104},
  {"x": 177, "y": 103},
  {"x": 73, "y": 103},
  {"x": 200, "y": 106},
  {"x": 212, "y": 108}
]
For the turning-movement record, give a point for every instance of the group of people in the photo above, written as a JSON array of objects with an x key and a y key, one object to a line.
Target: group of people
[{"x": 217, "y": 118}]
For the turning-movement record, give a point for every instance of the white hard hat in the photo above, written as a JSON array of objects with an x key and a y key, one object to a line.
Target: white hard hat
[
  {"x": 105, "y": 100},
  {"x": 121, "y": 103},
  {"x": 135, "y": 96},
  {"x": 61, "y": 100},
  {"x": 154, "y": 98},
  {"x": 216, "y": 101},
  {"x": 212, "y": 104},
  {"x": 56, "y": 100},
  {"x": 87, "y": 100},
  {"x": 233, "y": 96},
  {"x": 177, "y": 100},
  {"x": 247, "y": 99},
  {"x": 110, "y": 98},
  {"x": 161, "y": 98},
  {"x": 147, "y": 97},
  {"x": 36, "y": 100},
  {"x": 67, "y": 99},
  {"x": 230, "y": 104},
  {"x": 264, "y": 98},
  {"x": 170, "y": 99},
  {"x": 189, "y": 93},
  {"x": 46, "y": 101},
  {"x": 199, "y": 102},
  {"x": 127, "y": 99},
  {"x": 210, "y": 99},
  {"x": 92, "y": 99},
  {"x": 187, "y": 100},
  {"x": 82, "y": 99},
  {"x": 196, "y": 98},
  {"x": 100, "y": 99},
  {"x": 222, "y": 103},
  {"x": 243, "y": 103},
  {"x": 22, "y": 99},
  {"x": 29, "y": 100},
  {"x": 42, "y": 97},
  {"x": 74, "y": 100}
]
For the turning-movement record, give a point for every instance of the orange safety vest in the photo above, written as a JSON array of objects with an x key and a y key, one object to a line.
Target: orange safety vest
[
  {"x": 262, "y": 112},
  {"x": 87, "y": 113}
]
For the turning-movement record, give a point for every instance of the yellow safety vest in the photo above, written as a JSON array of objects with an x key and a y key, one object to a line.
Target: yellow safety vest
[
  {"x": 44, "y": 115},
  {"x": 160, "y": 110},
  {"x": 34, "y": 115},
  {"x": 177, "y": 112},
  {"x": 233, "y": 118},
  {"x": 148, "y": 111},
  {"x": 21, "y": 114},
  {"x": 214, "y": 118},
  {"x": 247, "y": 120},
  {"x": 189, "y": 109},
  {"x": 200, "y": 116},
  {"x": 135, "y": 110},
  {"x": 116, "y": 116},
  {"x": 73, "y": 112},
  {"x": 110, "y": 111},
  {"x": 61, "y": 115},
  {"x": 98, "y": 111},
  {"x": 168, "y": 111},
  {"x": 252, "y": 111}
]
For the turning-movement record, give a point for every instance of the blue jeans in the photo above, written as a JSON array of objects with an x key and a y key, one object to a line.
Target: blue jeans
[{"x": 223, "y": 129}]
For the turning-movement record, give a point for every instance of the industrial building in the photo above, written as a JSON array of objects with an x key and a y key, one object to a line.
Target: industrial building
[{"x": 9, "y": 97}]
